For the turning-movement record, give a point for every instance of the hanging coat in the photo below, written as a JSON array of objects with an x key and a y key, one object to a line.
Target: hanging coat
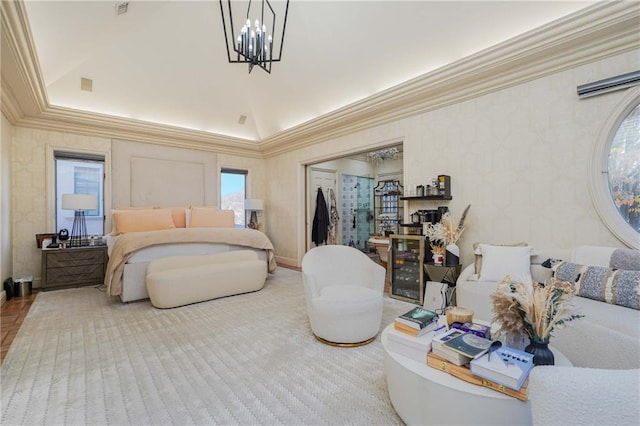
[
  {"x": 320, "y": 228},
  {"x": 334, "y": 217}
]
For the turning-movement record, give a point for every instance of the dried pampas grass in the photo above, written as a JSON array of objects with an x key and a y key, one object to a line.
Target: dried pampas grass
[
  {"x": 447, "y": 231},
  {"x": 534, "y": 308}
]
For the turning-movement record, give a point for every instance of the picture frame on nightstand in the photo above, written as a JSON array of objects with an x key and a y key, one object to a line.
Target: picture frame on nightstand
[{"x": 40, "y": 239}]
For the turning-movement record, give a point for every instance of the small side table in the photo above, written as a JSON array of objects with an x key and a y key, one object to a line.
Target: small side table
[{"x": 443, "y": 273}]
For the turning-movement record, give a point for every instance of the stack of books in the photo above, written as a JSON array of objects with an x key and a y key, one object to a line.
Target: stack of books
[
  {"x": 412, "y": 347},
  {"x": 438, "y": 348},
  {"x": 417, "y": 322},
  {"x": 460, "y": 347},
  {"x": 412, "y": 334}
]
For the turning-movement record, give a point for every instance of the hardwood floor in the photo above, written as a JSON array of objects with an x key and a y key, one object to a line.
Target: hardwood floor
[{"x": 12, "y": 313}]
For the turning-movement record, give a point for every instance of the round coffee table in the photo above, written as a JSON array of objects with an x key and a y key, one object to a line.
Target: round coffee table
[{"x": 424, "y": 395}]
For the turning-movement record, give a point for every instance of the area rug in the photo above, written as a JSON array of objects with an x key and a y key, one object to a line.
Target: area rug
[{"x": 81, "y": 358}]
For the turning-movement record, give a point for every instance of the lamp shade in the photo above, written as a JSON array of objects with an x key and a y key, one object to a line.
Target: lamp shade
[
  {"x": 253, "y": 204},
  {"x": 79, "y": 202}
]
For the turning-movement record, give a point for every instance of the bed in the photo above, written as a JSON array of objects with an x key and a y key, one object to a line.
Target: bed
[{"x": 131, "y": 248}]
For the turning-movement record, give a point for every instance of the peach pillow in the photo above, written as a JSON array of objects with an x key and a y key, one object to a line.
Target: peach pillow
[
  {"x": 114, "y": 230},
  {"x": 211, "y": 217},
  {"x": 142, "y": 220},
  {"x": 179, "y": 215}
]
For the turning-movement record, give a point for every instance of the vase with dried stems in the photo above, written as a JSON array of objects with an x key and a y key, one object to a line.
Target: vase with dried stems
[
  {"x": 444, "y": 235},
  {"x": 535, "y": 309}
]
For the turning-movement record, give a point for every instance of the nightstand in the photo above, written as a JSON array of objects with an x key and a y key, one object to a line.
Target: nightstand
[{"x": 73, "y": 267}]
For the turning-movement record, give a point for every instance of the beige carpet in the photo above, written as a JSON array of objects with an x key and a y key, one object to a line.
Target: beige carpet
[{"x": 249, "y": 359}]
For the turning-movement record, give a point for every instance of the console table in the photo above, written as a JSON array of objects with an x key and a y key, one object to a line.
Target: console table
[{"x": 424, "y": 395}]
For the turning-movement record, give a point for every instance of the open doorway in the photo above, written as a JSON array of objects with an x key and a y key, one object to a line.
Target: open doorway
[{"x": 348, "y": 187}]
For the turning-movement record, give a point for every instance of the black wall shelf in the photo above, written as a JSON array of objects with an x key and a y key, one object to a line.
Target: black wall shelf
[{"x": 428, "y": 197}]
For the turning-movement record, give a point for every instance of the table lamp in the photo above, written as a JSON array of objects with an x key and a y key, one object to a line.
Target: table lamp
[
  {"x": 253, "y": 205},
  {"x": 80, "y": 203}
]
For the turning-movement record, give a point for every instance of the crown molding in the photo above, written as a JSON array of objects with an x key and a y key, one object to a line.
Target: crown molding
[
  {"x": 592, "y": 34},
  {"x": 10, "y": 106},
  {"x": 107, "y": 126},
  {"x": 17, "y": 34}
]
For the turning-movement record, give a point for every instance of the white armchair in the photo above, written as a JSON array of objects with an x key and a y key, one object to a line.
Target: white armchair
[{"x": 344, "y": 290}]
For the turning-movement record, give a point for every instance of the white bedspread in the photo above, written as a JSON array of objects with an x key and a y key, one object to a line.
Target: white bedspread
[{"x": 127, "y": 245}]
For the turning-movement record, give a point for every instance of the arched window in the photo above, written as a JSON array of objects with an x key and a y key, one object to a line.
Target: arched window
[{"x": 615, "y": 170}]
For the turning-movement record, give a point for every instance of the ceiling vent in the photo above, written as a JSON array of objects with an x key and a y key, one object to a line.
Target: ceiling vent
[
  {"x": 86, "y": 84},
  {"x": 122, "y": 8},
  {"x": 242, "y": 119}
]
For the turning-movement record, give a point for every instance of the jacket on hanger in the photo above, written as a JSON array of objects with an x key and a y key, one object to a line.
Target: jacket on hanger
[{"x": 321, "y": 222}]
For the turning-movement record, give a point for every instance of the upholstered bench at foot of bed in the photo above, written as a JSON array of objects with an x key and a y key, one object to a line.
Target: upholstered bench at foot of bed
[{"x": 181, "y": 280}]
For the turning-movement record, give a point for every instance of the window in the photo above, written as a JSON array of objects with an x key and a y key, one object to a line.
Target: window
[
  {"x": 615, "y": 170},
  {"x": 624, "y": 169},
  {"x": 233, "y": 190},
  {"x": 80, "y": 174}
]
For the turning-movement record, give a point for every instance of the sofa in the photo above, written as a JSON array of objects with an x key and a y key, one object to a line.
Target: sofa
[{"x": 608, "y": 337}]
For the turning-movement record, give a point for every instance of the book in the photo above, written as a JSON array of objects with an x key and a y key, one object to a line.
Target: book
[
  {"x": 451, "y": 356},
  {"x": 438, "y": 341},
  {"x": 418, "y": 318},
  {"x": 446, "y": 353},
  {"x": 414, "y": 331},
  {"x": 475, "y": 328},
  {"x": 464, "y": 373},
  {"x": 415, "y": 348},
  {"x": 469, "y": 345},
  {"x": 506, "y": 366}
]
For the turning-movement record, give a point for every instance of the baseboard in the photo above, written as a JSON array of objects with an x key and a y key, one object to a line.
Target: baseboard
[
  {"x": 286, "y": 261},
  {"x": 3, "y": 297}
]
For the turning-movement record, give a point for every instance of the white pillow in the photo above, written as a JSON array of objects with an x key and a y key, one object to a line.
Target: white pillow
[{"x": 498, "y": 261}]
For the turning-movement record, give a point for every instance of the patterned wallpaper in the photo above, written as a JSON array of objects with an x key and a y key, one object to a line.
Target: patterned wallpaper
[{"x": 28, "y": 194}]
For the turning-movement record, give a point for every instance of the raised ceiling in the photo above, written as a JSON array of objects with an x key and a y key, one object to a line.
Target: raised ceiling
[{"x": 165, "y": 62}]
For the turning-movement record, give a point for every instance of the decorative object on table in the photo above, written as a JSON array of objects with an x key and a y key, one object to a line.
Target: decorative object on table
[
  {"x": 253, "y": 206},
  {"x": 505, "y": 366},
  {"x": 469, "y": 345},
  {"x": 63, "y": 236},
  {"x": 253, "y": 46},
  {"x": 40, "y": 239},
  {"x": 474, "y": 328},
  {"x": 438, "y": 254},
  {"x": 445, "y": 234},
  {"x": 535, "y": 308},
  {"x": 412, "y": 347},
  {"x": 458, "y": 314},
  {"x": 418, "y": 318},
  {"x": 79, "y": 203},
  {"x": 437, "y": 346},
  {"x": 415, "y": 332}
]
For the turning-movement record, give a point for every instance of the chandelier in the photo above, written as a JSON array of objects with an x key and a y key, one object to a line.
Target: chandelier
[
  {"x": 254, "y": 43},
  {"x": 377, "y": 157}
]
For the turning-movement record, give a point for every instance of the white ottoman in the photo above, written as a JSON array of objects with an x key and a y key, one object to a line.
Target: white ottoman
[{"x": 181, "y": 280}]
